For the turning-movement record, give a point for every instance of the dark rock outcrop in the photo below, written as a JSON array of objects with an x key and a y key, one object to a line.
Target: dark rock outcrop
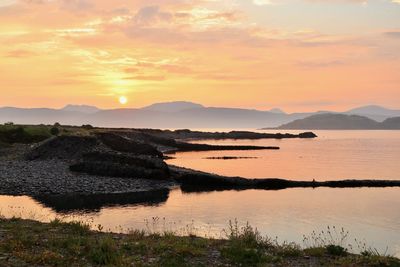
[
  {"x": 162, "y": 139},
  {"x": 123, "y": 144},
  {"x": 188, "y": 134},
  {"x": 119, "y": 165},
  {"x": 196, "y": 181},
  {"x": 63, "y": 147}
]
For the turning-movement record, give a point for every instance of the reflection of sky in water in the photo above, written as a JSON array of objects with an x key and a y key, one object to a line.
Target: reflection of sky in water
[
  {"x": 333, "y": 155},
  {"x": 369, "y": 214}
]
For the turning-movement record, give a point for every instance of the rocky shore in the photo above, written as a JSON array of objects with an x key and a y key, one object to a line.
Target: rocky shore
[
  {"x": 53, "y": 177},
  {"x": 121, "y": 161},
  {"x": 97, "y": 162}
]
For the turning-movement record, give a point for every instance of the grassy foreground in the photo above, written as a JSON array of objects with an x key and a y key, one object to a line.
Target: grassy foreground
[{"x": 29, "y": 243}]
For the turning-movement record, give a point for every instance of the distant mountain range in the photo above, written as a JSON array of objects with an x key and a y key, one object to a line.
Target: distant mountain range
[
  {"x": 179, "y": 114},
  {"x": 331, "y": 121}
]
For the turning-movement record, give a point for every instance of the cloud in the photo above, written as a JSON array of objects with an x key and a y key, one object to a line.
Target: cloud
[
  {"x": 262, "y": 2},
  {"x": 20, "y": 54},
  {"x": 394, "y": 34},
  {"x": 150, "y": 15},
  {"x": 155, "y": 78},
  {"x": 276, "y": 2},
  {"x": 321, "y": 63}
]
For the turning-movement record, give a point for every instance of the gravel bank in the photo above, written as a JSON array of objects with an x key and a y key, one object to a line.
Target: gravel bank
[{"x": 21, "y": 177}]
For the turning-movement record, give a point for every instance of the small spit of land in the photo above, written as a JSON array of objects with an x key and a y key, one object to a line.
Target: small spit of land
[{"x": 29, "y": 243}]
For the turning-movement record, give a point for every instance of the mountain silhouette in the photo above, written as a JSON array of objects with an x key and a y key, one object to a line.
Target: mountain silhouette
[
  {"x": 179, "y": 114},
  {"x": 341, "y": 122}
]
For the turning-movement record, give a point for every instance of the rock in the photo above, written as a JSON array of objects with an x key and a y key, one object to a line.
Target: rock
[
  {"x": 123, "y": 144},
  {"x": 63, "y": 147},
  {"x": 119, "y": 165},
  {"x": 308, "y": 135}
]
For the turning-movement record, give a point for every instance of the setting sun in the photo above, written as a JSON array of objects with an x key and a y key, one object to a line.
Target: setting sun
[{"x": 123, "y": 100}]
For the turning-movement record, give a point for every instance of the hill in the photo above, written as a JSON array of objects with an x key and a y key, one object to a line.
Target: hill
[
  {"x": 374, "y": 112},
  {"x": 391, "y": 123},
  {"x": 179, "y": 114},
  {"x": 175, "y": 106},
  {"x": 331, "y": 121},
  {"x": 81, "y": 108}
]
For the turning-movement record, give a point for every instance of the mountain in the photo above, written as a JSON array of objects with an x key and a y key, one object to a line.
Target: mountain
[
  {"x": 277, "y": 110},
  {"x": 81, "y": 108},
  {"x": 340, "y": 122},
  {"x": 391, "y": 123},
  {"x": 206, "y": 117},
  {"x": 374, "y": 112},
  {"x": 173, "y": 106},
  {"x": 170, "y": 115},
  {"x": 39, "y": 116}
]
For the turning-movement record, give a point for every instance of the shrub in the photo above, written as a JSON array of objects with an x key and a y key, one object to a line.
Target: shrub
[
  {"x": 54, "y": 131},
  {"x": 246, "y": 246},
  {"x": 335, "y": 250},
  {"x": 106, "y": 252},
  {"x": 87, "y": 127}
]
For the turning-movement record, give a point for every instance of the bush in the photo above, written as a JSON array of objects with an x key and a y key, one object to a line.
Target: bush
[
  {"x": 335, "y": 250},
  {"x": 246, "y": 247},
  {"x": 87, "y": 127},
  {"x": 54, "y": 131}
]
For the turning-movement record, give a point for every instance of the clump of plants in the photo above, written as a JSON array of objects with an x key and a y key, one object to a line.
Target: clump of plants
[
  {"x": 245, "y": 245},
  {"x": 331, "y": 241}
]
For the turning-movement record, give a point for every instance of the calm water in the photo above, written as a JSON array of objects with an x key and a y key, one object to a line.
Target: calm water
[
  {"x": 333, "y": 155},
  {"x": 370, "y": 214}
]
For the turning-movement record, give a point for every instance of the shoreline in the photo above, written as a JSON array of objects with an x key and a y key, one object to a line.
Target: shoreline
[
  {"x": 119, "y": 161},
  {"x": 30, "y": 243}
]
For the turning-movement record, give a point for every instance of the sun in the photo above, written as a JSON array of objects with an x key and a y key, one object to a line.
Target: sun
[{"x": 123, "y": 100}]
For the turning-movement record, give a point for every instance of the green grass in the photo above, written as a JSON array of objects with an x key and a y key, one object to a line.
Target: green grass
[
  {"x": 28, "y": 134},
  {"x": 10, "y": 134},
  {"x": 29, "y": 243}
]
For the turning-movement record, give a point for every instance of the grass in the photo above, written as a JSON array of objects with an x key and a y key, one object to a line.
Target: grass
[
  {"x": 30, "y": 243},
  {"x": 28, "y": 134},
  {"x": 10, "y": 134}
]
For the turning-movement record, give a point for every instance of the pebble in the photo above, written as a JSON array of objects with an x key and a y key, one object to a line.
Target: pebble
[{"x": 22, "y": 177}]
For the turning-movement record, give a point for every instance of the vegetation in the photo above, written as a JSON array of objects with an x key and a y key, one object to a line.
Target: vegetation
[
  {"x": 54, "y": 131},
  {"x": 10, "y": 134},
  {"x": 27, "y": 243}
]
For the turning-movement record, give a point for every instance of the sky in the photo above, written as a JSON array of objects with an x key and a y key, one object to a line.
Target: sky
[{"x": 298, "y": 55}]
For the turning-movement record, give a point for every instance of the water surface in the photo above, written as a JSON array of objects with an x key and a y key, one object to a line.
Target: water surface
[
  {"x": 333, "y": 155},
  {"x": 370, "y": 215}
]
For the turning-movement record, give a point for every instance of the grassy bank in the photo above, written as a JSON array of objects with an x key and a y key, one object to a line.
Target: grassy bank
[{"x": 29, "y": 243}]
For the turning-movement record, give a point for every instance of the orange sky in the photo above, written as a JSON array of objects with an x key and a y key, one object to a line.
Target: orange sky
[{"x": 299, "y": 55}]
